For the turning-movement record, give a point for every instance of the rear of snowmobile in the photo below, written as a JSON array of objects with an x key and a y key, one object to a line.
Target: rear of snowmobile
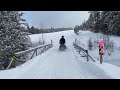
[{"x": 62, "y": 47}]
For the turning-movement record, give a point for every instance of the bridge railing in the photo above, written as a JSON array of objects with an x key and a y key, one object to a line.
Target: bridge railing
[
  {"x": 30, "y": 53},
  {"x": 77, "y": 47}
]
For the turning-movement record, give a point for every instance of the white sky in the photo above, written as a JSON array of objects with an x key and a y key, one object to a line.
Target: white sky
[{"x": 55, "y": 19}]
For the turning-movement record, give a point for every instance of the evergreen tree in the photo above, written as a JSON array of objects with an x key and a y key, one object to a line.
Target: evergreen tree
[
  {"x": 107, "y": 22},
  {"x": 76, "y": 29},
  {"x": 12, "y": 37},
  {"x": 94, "y": 21},
  {"x": 113, "y": 22},
  {"x": 104, "y": 22}
]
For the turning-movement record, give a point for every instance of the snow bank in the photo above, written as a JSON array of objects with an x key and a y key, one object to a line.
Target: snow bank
[{"x": 111, "y": 70}]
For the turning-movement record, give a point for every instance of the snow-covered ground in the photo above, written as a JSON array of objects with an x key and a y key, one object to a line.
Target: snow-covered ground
[
  {"x": 114, "y": 58},
  {"x": 55, "y": 64}
]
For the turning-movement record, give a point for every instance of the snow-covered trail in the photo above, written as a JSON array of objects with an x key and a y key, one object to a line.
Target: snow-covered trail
[{"x": 55, "y": 64}]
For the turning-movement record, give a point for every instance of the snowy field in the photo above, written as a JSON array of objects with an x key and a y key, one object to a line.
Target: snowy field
[{"x": 54, "y": 64}]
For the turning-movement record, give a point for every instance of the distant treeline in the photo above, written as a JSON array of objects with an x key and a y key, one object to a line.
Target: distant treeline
[{"x": 34, "y": 30}]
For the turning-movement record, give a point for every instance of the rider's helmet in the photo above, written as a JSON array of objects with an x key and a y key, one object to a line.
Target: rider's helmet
[{"x": 62, "y": 36}]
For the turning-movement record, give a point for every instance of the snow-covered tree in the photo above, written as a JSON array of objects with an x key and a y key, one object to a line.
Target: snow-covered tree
[
  {"x": 76, "y": 29},
  {"x": 12, "y": 36},
  {"x": 90, "y": 20},
  {"x": 107, "y": 22},
  {"x": 113, "y": 22},
  {"x": 94, "y": 21},
  {"x": 84, "y": 26}
]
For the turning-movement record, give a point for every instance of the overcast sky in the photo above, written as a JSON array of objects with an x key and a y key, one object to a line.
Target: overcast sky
[{"x": 55, "y": 19}]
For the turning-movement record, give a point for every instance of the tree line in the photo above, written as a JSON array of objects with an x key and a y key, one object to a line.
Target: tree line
[
  {"x": 34, "y": 30},
  {"x": 106, "y": 22}
]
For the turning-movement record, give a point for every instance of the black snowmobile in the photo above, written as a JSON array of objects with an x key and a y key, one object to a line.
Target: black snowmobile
[
  {"x": 62, "y": 47},
  {"x": 62, "y": 44}
]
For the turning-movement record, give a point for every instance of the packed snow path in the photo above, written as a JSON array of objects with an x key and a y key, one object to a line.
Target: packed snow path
[
  {"x": 55, "y": 64},
  {"x": 61, "y": 65}
]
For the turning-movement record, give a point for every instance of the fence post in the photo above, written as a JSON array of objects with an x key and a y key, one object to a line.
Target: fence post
[
  {"x": 79, "y": 51},
  {"x": 87, "y": 55},
  {"x": 14, "y": 57},
  {"x": 45, "y": 49},
  {"x": 101, "y": 58},
  {"x": 36, "y": 52},
  {"x": 52, "y": 42},
  {"x": 100, "y": 53},
  {"x": 75, "y": 40},
  {"x": 74, "y": 45}
]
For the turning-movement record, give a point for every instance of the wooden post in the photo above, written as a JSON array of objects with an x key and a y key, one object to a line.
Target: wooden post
[
  {"x": 75, "y": 40},
  {"x": 52, "y": 42},
  {"x": 100, "y": 53},
  {"x": 101, "y": 58},
  {"x": 74, "y": 45},
  {"x": 79, "y": 51},
  {"x": 36, "y": 52},
  {"x": 101, "y": 45},
  {"x": 14, "y": 58},
  {"x": 45, "y": 48},
  {"x": 87, "y": 55}
]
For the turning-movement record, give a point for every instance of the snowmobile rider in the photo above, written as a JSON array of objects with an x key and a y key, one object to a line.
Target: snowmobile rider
[{"x": 62, "y": 40}]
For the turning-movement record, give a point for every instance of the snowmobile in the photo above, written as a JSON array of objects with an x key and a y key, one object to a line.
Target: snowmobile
[
  {"x": 62, "y": 47},
  {"x": 62, "y": 44}
]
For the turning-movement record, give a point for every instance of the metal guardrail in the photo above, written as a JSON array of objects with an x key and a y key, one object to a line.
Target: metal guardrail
[
  {"x": 83, "y": 50},
  {"x": 34, "y": 50}
]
